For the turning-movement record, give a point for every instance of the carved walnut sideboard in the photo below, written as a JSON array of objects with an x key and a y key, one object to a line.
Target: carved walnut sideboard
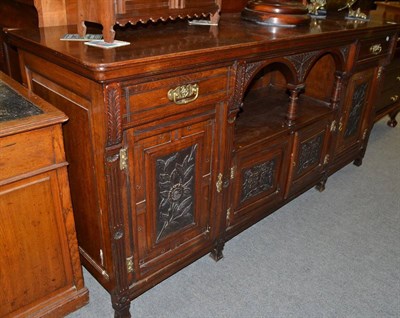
[{"x": 191, "y": 134}]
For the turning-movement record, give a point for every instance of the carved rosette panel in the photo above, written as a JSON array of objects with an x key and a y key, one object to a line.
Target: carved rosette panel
[
  {"x": 358, "y": 102},
  {"x": 309, "y": 153},
  {"x": 175, "y": 177},
  {"x": 114, "y": 119},
  {"x": 302, "y": 62},
  {"x": 257, "y": 179}
]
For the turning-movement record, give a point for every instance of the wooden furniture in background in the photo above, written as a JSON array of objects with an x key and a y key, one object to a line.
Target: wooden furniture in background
[
  {"x": 191, "y": 134},
  {"x": 121, "y": 12},
  {"x": 40, "y": 270},
  {"x": 30, "y": 14},
  {"x": 14, "y": 14}
]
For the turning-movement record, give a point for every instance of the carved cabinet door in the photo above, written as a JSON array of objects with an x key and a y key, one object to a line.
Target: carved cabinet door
[
  {"x": 310, "y": 155},
  {"x": 170, "y": 192},
  {"x": 258, "y": 179},
  {"x": 353, "y": 122}
]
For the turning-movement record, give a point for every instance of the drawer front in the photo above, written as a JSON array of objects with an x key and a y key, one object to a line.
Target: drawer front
[
  {"x": 390, "y": 92},
  {"x": 162, "y": 98},
  {"x": 388, "y": 97},
  {"x": 27, "y": 152},
  {"x": 374, "y": 48}
]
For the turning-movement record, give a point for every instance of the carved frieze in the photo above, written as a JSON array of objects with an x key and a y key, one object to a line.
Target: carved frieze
[
  {"x": 175, "y": 178},
  {"x": 257, "y": 179}
]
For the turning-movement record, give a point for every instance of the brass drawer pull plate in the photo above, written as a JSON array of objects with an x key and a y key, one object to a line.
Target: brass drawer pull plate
[
  {"x": 184, "y": 94},
  {"x": 375, "y": 49},
  {"x": 394, "y": 98}
]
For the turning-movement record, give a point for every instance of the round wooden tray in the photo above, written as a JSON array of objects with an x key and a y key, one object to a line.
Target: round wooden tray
[{"x": 276, "y": 13}]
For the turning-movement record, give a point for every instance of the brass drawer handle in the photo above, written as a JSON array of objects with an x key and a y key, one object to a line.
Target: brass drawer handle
[
  {"x": 184, "y": 94},
  {"x": 376, "y": 49},
  {"x": 394, "y": 98},
  {"x": 398, "y": 78}
]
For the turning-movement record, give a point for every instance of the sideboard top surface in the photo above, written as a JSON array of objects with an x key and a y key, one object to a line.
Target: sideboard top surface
[{"x": 155, "y": 47}]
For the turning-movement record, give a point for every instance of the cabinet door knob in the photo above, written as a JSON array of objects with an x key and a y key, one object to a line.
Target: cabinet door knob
[
  {"x": 376, "y": 49},
  {"x": 184, "y": 94}
]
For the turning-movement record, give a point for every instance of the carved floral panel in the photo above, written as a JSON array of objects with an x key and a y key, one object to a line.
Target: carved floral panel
[{"x": 175, "y": 178}]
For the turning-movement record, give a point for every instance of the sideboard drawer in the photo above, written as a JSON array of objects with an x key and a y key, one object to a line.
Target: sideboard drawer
[
  {"x": 375, "y": 47},
  {"x": 166, "y": 97},
  {"x": 37, "y": 145},
  {"x": 390, "y": 92}
]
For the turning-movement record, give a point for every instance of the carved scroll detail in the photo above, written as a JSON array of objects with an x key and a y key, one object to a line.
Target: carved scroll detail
[
  {"x": 114, "y": 119},
  {"x": 236, "y": 99}
]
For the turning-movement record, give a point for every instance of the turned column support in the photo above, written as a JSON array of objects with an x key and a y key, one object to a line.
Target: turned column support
[
  {"x": 292, "y": 113},
  {"x": 337, "y": 90}
]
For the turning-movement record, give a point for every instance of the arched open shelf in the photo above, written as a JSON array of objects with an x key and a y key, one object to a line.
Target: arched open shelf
[
  {"x": 276, "y": 155},
  {"x": 265, "y": 105}
]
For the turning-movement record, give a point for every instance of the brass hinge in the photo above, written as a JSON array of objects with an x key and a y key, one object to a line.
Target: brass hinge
[
  {"x": 219, "y": 182},
  {"x": 365, "y": 134},
  {"x": 326, "y": 159},
  {"x": 129, "y": 265},
  {"x": 101, "y": 257},
  {"x": 333, "y": 126},
  {"x": 123, "y": 158},
  {"x": 233, "y": 172},
  {"x": 228, "y": 216},
  {"x": 341, "y": 124},
  {"x": 380, "y": 71}
]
